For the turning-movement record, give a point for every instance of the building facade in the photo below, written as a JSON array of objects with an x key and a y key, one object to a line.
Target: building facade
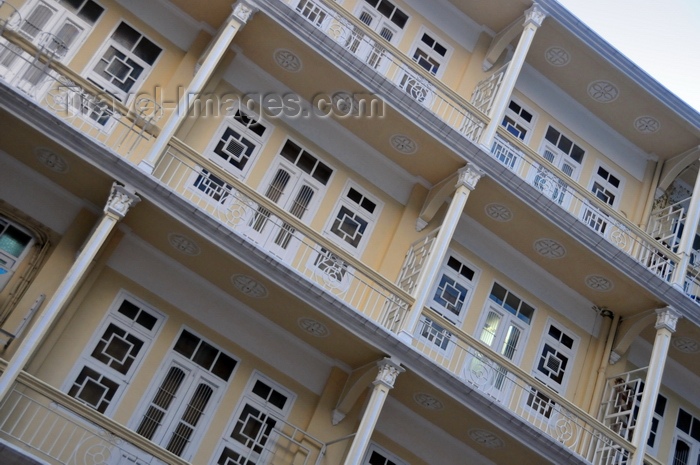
[{"x": 360, "y": 232}]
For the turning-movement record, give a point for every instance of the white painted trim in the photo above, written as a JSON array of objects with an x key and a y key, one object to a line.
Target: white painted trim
[
  {"x": 561, "y": 389},
  {"x": 192, "y": 294},
  {"x": 586, "y": 125},
  {"x": 619, "y": 191},
  {"x": 449, "y": 50},
  {"x": 170, "y": 21}
]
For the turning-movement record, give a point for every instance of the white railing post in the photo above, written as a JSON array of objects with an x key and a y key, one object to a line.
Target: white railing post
[
  {"x": 468, "y": 177},
  {"x": 533, "y": 20},
  {"x": 242, "y": 11},
  {"x": 120, "y": 200}
]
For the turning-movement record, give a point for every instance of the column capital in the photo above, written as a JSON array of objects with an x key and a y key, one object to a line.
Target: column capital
[
  {"x": 667, "y": 318},
  {"x": 243, "y": 10},
  {"x": 469, "y": 175},
  {"x": 388, "y": 371},
  {"x": 120, "y": 200},
  {"x": 534, "y": 15}
]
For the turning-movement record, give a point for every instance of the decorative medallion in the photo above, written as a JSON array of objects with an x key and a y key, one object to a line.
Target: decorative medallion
[
  {"x": 249, "y": 286},
  {"x": 557, "y": 56},
  {"x": 685, "y": 344},
  {"x": 403, "y": 144},
  {"x": 486, "y": 438},
  {"x": 183, "y": 244},
  {"x": 647, "y": 124},
  {"x": 313, "y": 327},
  {"x": 498, "y": 212},
  {"x": 426, "y": 400},
  {"x": 603, "y": 91},
  {"x": 51, "y": 160},
  {"x": 287, "y": 60},
  {"x": 599, "y": 283},
  {"x": 549, "y": 248}
]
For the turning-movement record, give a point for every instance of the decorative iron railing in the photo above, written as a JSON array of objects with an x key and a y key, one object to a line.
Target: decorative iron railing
[
  {"x": 281, "y": 235},
  {"x": 495, "y": 377},
  {"x": 378, "y": 54},
  {"x": 415, "y": 260},
  {"x": 33, "y": 67}
]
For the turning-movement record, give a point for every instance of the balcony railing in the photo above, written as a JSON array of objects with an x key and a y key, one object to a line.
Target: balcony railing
[
  {"x": 34, "y": 68},
  {"x": 495, "y": 377},
  {"x": 281, "y": 235},
  {"x": 380, "y": 56},
  {"x": 583, "y": 205}
]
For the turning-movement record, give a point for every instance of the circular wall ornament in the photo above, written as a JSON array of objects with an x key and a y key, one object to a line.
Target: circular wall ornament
[
  {"x": 51, "y": 160},
  {"x": 183, "y": 244},
  {"x": 287, "y": 60},
  {"x": 403, "y": 144},
  {"x": 599, "y": 283},
  {"x": 647, "y": 124},
  {"x": 498, "y": 212},
  {"x": 486, "y": 438},
  {"x": 249, "y": 286},
  {"x": 426, "y": 400},
  {"x": 603, "y": 91},
  {"x": 313, "y": 327},
  {"x": 549, "y": 248},
  {"x": 557, "y": 56},
  {"x": 687, "y": 345}
]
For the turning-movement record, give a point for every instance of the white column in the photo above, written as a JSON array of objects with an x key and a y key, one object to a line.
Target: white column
[
  {"x": 690, "y": 227},
  {"x": 533, "y": 20},
  {"x": 468, "y": 177},
  {"x": 388, "y": 371},
  {"x": 120, "y": 200},
  {"x": 242, "y": 11},
  {"x": 665, "y": 326}
]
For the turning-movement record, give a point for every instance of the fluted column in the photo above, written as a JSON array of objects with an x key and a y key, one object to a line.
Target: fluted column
[
  {"x": 242, "y": 12},
  {"x": 666, "y": 321},
  {"x": 533, "y": 20},
  {"x": 388, "y": 371},
  {"x": 468, "y": 177},
  {"x": 120, "y": 200}
]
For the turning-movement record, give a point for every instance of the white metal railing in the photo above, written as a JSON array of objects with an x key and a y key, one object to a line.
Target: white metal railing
[
  {"x": 34, "y": 68},
  {"x": 377, "y": 53},
  {"x": 486, "y": 90},
  {"x": 565, "y": 192},
  {"x": 59, "y": 430},
  {"x": 490, "y": 374},
  {"x": 283, "y": 236},
  {"x": 415, "y": 259}
]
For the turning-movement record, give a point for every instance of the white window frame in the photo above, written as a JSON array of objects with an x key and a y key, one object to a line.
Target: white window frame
[
  {"x": 92, "y": 76},
  {"x": 250, "y": 398},
  {"x": 560, "y": 348},
  {"x": 517, "y": 118},
  {"x": 370, "y": 217},
  {"x": 592, "y": 216},
  {"x": 442, "y": 60},
  {"x": 376, "y": 448},
  {"x": 430, "y": 332},
  {"x": 9, "y": 263},
  {"x": 114, "y": 317},
  {"x": 415, "y": 85},
  {"x": 244, "y": 131},
  {"x": 195, "y": 374},
  {"x": 693, "y": 443}
]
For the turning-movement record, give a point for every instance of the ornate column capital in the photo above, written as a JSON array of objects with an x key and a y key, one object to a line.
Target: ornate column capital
[
  {"x": 667, "y": 318},
  {"x": 469, "y": 175},
  {"x": 388, "y": 371},
  {"x": 243, "y": 10},
  {"x": 535, "y": 15},
  {"x": 120, "y": 200}
]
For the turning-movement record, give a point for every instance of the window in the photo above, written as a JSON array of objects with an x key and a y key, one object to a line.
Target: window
[
  {"x": 57, "y": 27},
  {"x": 186, "y": 393},
  {"x": 15, "y": 243},
  {"x": 686, "y": 450},
  {"x": 378, "y": 456},
  {"x": 295, "y": 182},
  {"x": 560, "y": 151},
  {"x": 213, "y": 186},
  {"x": 356, "y": 215},
  {"x": 124, "y": 62},
  {"x": 503, "y": 327},
  {"x": 431, "y": 55},
  {"x": 518, "y": 120},
  {"x": 238, "y": 142},
  {"x": 606, "y": 186},
  {"x": 453, "y": 290},
  {"x": 114, "y": 354},
  {"x": 251, "y": 433}
]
